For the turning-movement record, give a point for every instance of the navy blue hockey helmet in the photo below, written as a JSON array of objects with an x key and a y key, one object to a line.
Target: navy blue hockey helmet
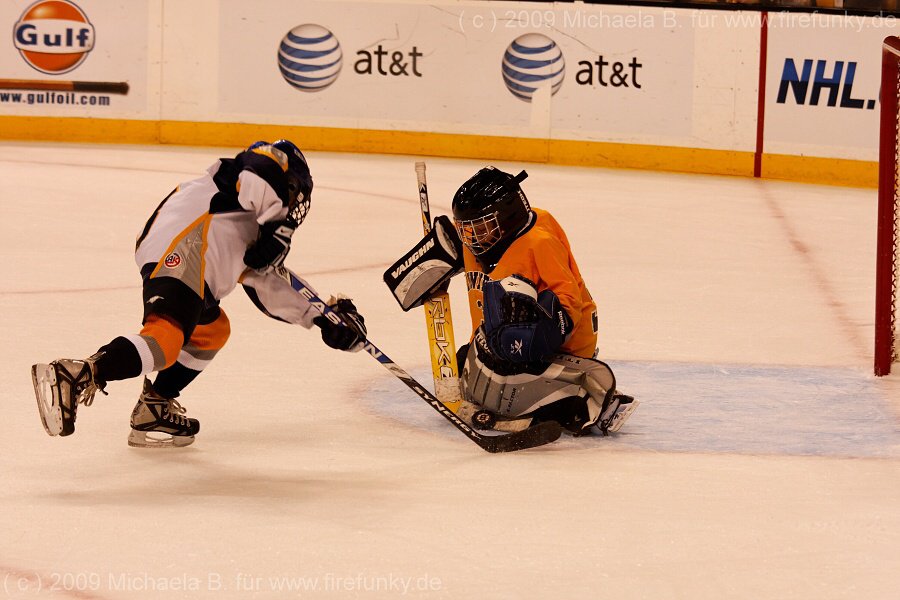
[
  {"x": 489, "y": 207},
  {"x": 299, "y": 180}
]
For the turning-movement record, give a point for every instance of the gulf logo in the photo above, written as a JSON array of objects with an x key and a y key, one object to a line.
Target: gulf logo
[
  {"x": 530, "y": 62},
  {"x": 53, "y": 36},
  {"x": 310, "y": 57}
]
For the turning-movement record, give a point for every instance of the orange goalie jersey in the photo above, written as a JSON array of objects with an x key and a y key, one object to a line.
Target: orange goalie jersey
[{"x": 542, "y": 255}]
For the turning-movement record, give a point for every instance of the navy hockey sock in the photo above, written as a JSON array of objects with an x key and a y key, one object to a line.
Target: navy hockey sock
[
  {"x": 169, "y": 382},
  {"x": 118, "y": 360}
]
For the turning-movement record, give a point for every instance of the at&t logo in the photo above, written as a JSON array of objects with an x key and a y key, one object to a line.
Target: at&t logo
[
  {"x": 53, "y": 36},
  {"x": 533, "y": 61},
  {"x": 310, "y": 57}
]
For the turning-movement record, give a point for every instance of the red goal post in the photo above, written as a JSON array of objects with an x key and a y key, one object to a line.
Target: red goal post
[{"x": 887, "y": 277}]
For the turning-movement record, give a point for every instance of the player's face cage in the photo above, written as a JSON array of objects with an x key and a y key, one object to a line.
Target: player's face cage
[
  {"x": 299, "y": 206},
  {"x": 478, "y": 235}
]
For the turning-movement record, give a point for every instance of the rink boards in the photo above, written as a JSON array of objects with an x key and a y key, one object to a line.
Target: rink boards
[{"x": 598, "y": 85}]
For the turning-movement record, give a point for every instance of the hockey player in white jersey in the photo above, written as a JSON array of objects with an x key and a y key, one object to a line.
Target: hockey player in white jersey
[{"x": 231, "y": 226}]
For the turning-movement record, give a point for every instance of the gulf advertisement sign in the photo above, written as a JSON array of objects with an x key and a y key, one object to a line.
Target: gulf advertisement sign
[
  {"x": 53, "y": 36},
  {"x": 85, "y": 58}
]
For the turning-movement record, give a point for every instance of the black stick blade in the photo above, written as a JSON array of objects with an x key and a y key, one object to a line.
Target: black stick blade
[{"x": 538, "y": 435}]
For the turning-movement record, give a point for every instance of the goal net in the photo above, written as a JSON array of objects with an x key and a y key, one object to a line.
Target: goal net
[{"x": 887, "y": 279}]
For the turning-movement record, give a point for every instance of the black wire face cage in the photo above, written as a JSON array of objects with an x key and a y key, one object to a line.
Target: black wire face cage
[
  {"x": 298, "y": 208},
  {"x": 299, "y": 202},
  {"x": 479, "y": 235}
]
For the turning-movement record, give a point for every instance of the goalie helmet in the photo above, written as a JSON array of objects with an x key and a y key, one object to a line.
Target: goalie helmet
[
  {"x": 490, "y": 207},
  {"x": 299, "y": 180}
]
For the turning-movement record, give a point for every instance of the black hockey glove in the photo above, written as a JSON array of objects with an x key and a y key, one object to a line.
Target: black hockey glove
[
  {"x": 271, "y": 247},
  {"x": 522, "y": 325},
  {"x": 350, "y": 333}
]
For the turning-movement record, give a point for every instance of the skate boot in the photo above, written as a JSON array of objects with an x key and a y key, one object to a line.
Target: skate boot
[
  {"x": 158, "y": 422},
  {"x": 60, "y": 387},
  {"x": 616, "y": 413}
]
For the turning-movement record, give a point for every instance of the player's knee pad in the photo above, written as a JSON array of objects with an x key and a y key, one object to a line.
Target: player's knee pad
[
  {"x": 205, "y": 342},
  {"x": 163, "y": 338},
  {"x": 213, "y": 334}
]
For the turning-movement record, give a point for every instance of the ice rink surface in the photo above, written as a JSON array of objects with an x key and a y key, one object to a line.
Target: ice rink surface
[{"x": 763, "y": 462}]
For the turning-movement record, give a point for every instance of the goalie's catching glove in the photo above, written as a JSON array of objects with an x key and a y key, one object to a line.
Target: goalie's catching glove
[
  {"x": 271, "y": 247},
  {"x": 428, "y": 267},
  {"x": 349, "y": 333},
  {"x": 520, "y": 324}
]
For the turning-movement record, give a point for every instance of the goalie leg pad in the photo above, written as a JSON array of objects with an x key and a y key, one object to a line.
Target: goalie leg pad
[
  {"x": 427, "y": 267},
  {"x": 518, "y": 394},
  {"x": 582, "y": 388}
]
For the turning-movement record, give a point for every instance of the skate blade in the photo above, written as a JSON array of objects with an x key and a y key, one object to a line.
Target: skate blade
[
  {"x": 158, "y": 439},
  {"x": 44, "y": 378},
  {"x": 622, "y": 415}
]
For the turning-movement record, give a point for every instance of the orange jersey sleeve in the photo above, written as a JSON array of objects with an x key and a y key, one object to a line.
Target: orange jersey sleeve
[{"x": 543, "y": 256}]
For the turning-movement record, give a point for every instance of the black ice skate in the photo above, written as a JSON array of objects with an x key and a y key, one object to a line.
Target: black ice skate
[
  {"x": 616, "y": 413},
  {"x": 60, "y": 387},
  {"x": 158, "y": 422}
]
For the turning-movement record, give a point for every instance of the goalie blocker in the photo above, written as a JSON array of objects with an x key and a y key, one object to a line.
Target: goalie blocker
[{"x": 427, "y": 267}]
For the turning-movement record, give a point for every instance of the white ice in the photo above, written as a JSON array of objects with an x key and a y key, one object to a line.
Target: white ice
[{"x": 763, "y": 462}]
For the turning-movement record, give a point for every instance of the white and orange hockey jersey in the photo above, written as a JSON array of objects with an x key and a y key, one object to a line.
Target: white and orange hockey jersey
[{"x": 200, "y": 232}]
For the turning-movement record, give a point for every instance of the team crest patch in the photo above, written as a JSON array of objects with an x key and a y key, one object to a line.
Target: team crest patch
[{"x": 172, "y": 260}]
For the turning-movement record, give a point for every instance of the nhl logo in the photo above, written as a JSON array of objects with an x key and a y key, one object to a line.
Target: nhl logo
[
  {"x": 53, "y": 36},
  {"x": 172, "y": 260}
]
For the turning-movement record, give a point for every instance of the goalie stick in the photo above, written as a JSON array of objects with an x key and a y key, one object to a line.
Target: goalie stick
[
  {"x": 540, "y": 434},
  {"x": 442, "y": 346},
  {"x": 439, "y": 321}
]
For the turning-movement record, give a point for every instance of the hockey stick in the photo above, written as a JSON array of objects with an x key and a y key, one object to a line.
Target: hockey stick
[
  {"x": 540, "y": 434},
  {"x": 439, "y": 322},
  {"x": 104, "y": 87}
]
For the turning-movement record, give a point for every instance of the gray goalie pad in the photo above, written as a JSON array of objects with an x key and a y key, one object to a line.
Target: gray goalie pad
[
  {"x": 516, "y": 395},
  {"x": 427, "y": 267}
]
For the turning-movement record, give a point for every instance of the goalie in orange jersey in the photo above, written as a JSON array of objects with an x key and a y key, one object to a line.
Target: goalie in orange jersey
[{"x": 534, "y": 322}]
